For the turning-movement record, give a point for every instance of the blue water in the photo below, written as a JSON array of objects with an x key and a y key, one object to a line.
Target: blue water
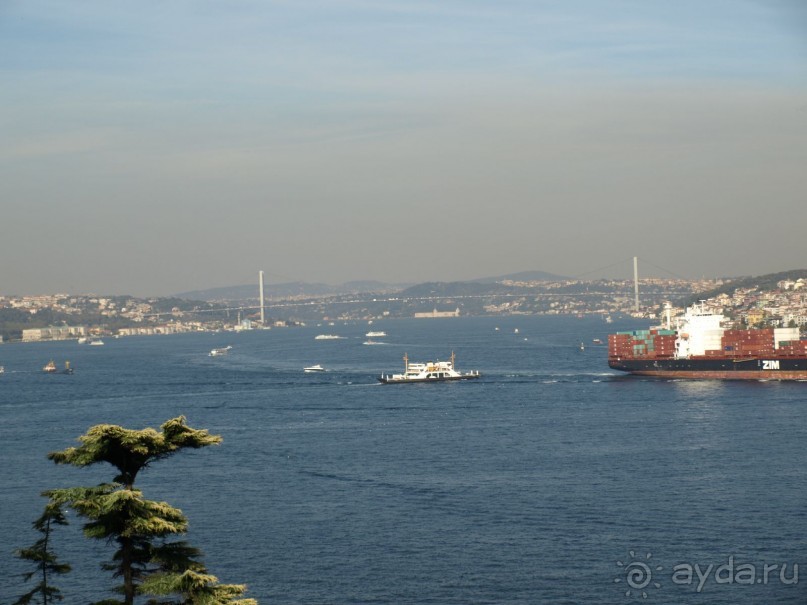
[{"x": 530, "y": 485}]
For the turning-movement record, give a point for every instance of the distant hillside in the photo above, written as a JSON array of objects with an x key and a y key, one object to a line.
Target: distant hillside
[
  {"x": 522, "y": 276},
  {"x": 458, "y": 288},
  {"x": 303, "y": 289},
  {"x": 762, "y": 282},
  {"x": 371, "y": 286},
  {"x": 286, "y": 290}
]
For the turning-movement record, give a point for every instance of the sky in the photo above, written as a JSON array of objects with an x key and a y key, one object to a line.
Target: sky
[{"x": 150, "y": 148}]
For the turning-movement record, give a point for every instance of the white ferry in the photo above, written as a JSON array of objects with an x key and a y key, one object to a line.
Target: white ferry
[{"x": 431, "y": 371}]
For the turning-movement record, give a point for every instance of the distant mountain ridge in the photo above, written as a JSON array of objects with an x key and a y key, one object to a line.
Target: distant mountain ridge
[
  {"x": 286, "y": 290},
  {"x": 303, "y": 289},
  {"x": 524, "y": 276}
]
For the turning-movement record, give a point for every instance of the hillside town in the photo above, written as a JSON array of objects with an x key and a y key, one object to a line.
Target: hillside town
[
  {"x": 65, "y": 316},
  {"x": 784, "y": 306}
]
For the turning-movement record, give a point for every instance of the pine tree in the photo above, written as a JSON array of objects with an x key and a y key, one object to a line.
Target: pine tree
[
  {"x": 43, "y": 556},
  {"x": 118, "y": 512},
  {"x": 195, "y": 588}
]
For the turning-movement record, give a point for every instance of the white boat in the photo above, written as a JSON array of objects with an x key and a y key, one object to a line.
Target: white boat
[
  {"x": 328, "y": 337},
  {"x": 375, "y": 334},
  {"x": 372, "y": 342},
  {"x": 316, "y": 368},
  {"x": 219, "y": 352},
  {"x": 96, "y": 342},
  {"x": 82, "y": 340},
  {"x": 431, "y": 371},
  {"x": 2, "y": 370}
]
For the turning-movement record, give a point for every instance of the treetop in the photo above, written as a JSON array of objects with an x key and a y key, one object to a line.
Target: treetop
[{"x": 130, "y": 450}]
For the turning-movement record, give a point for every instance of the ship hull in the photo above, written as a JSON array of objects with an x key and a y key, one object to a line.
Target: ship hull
[
  {"x": 721, "y": 369},
  {"x": 390, "y": 380}
]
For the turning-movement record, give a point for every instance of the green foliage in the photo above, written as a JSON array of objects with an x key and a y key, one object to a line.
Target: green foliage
[
  {"x": 195, "y": 588},
  {"x": 146, "y": 561},
  {"x": 132, "y": 450},
  {"x": 42, "y": 555}
]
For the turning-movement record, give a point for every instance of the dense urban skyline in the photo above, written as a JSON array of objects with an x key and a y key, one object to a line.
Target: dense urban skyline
[{"x": 157, "y": 148}]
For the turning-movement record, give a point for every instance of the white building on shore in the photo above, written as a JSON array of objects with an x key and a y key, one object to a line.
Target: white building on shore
[{"x": 53, "y": 333}]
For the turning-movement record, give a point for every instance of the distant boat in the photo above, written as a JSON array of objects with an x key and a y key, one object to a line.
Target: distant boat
[
  {"x": 96, "y": 342},
  {"x": 608, "y": 319},
  {"x": 50, "y": 368},
  {"x": 372, "y": 342},
  {"x": 375, "y": 334},
  {"x": 2, "y": 370},
  {"x": 316, "y": 368},
  {"x": 515, "y": 331},
  {"x": 582, "y": 347},
  {"x": 82, "y": 340},
  {"x": 328, "y": 337},
  {"x": 219, "y": 352},
  {"x": 597, "y": 341}
]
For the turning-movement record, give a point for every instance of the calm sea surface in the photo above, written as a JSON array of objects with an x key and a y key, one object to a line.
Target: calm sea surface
[{"x": 532, "y": 485}]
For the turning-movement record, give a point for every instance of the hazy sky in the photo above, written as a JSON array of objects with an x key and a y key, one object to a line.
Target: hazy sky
[{"x": 157, "y": 147}]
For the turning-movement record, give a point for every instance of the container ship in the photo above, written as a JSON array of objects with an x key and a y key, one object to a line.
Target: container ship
[{"x": 700, "y": 347}]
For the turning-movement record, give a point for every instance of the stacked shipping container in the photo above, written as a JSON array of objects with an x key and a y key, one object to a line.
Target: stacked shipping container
[
  {"x": 660, "y": 344},
  {"x": 645, "y": 344}
]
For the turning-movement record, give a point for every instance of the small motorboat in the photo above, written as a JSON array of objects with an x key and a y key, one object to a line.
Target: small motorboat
[
  {"x": 219, "y": 352},
  {"x": 316, "y": 368}
]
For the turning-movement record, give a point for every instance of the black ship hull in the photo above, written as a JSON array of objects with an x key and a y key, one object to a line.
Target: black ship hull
[{"x": 774, "y": 368}]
